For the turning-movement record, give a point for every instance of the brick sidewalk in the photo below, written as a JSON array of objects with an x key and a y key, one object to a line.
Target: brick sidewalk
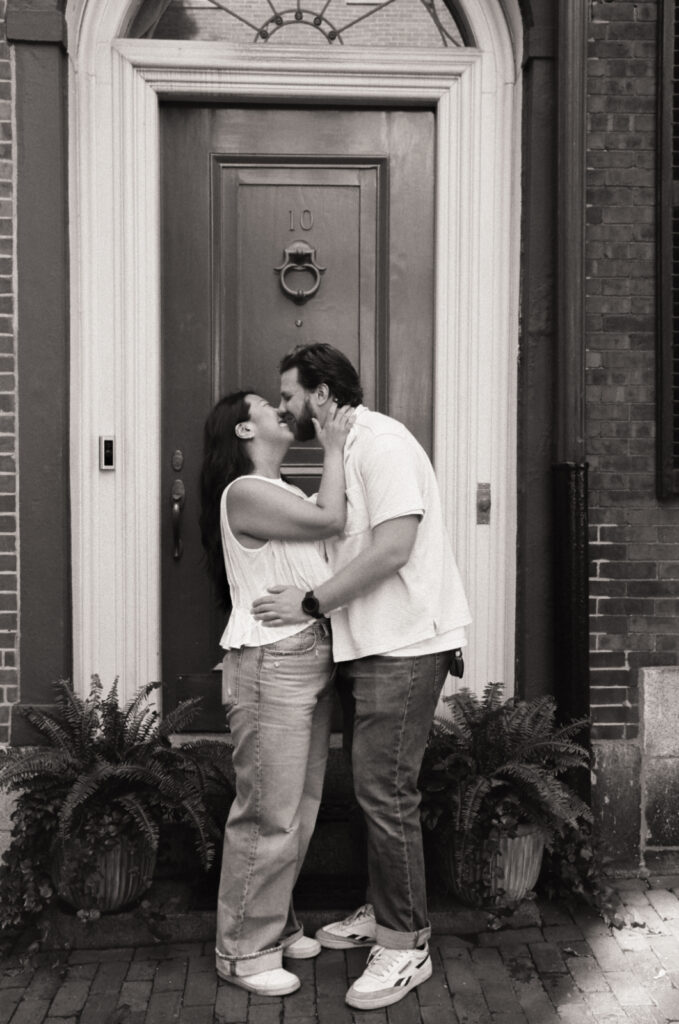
[{"x": 573, "y": 968}]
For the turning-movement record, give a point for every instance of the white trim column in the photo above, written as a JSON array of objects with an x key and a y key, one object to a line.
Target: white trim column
[{"x": 116, "y": 345}]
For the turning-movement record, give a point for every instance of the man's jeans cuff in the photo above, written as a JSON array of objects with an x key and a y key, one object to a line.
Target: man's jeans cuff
[
  {"x": 401, "y": 940},
  {"x": 253, "y": 963}
]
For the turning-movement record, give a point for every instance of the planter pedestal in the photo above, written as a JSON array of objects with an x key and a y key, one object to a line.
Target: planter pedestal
[{"x": 480, "y": 877}]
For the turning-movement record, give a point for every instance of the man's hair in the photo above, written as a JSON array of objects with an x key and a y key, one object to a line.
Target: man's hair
[{"x": 320, "y": 363}]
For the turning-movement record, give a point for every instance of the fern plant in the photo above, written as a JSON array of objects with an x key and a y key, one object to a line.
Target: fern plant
[
  {"x": 492, "y": 764},
  {"x": 106, "y": 772}
]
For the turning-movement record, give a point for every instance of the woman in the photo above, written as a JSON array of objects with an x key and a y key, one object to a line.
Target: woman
[{"x": 276, "y": 681}]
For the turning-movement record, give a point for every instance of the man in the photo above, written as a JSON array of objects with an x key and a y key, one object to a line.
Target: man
[{"x": 398, "y": 613}]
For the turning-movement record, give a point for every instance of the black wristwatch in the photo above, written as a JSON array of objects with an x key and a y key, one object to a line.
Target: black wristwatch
[{"x": 310, "y": 605}]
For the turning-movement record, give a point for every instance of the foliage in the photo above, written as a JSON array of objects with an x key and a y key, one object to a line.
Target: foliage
[
  {"x": 572, "y": 872},
  {"x": 105, "y": 772},
  {"x": 491, "y": 764}
]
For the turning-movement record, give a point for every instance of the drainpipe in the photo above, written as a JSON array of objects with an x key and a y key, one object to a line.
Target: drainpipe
[{"x": 571, "y": 640}]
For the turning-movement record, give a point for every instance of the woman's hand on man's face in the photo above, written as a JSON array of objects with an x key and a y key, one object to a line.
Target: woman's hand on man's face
[{"x": 335, "y": 430}]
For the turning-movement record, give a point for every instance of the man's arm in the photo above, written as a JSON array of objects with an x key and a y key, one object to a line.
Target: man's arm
[{"x": 389, "y": 550}]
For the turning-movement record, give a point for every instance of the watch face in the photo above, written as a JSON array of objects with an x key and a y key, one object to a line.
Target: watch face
[{"x": 310, "y": 606}]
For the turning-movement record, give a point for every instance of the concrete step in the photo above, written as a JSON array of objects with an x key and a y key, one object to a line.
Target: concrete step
[{"x": 167, "y": 916}]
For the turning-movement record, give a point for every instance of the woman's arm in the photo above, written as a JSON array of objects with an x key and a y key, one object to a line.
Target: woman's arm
[{"x": 264, "y": 511}]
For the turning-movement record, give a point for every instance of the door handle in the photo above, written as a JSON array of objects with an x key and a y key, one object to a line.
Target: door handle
[
  {"x": 177, "y": 497},
  {"x": 300, "y": 256}
]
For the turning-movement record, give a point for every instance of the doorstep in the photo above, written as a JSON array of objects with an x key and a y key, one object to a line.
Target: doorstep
[{"x": 166, "y": 916}]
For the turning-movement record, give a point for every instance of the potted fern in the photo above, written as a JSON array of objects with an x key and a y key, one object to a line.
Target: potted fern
[
  {"x": 493, "y": 792},
  {"x": 92, "y": 800}
]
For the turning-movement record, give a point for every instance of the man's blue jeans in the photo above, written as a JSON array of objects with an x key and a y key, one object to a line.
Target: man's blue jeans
[
  {"x": 394, "y": 704},
  {"x": 278, "y": 701}
]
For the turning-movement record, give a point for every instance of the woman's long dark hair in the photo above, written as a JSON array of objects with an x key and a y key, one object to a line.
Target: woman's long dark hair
[{"x": 224, "y": 459}]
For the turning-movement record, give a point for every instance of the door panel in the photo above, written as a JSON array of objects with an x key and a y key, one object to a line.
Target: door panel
[
  {"x": 240, "y": 186},
  {"x": 260, "y": 212}
]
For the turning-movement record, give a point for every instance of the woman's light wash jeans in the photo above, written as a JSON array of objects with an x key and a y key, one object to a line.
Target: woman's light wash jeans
[
  {"x": 394, "y": 701},
  {"x": 278, "y": 703}
]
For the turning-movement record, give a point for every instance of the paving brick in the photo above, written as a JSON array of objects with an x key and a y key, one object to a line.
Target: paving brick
[
  {"x": 265, "y": 1012},
  {"x": 141, "y": 970},
  {"x": 576, "y": 1014},
  {"x": 231, "y": 1004},
  {"x": 645, "y": 1015},
  {"x": 163, "y": 1008},
  {"x": 200, "y": 964},
  {"x": 460, "y": 976},
  {"x": 170, "y": 975},
  {"x": 500, "y": 996},
  {"x": 548, "y": 958},
  {"x": 608, "y": 953},
  {"x": 404, "y": 1012},
  {"x": 666, "y": 948},
  {"x": 627, "y": 989},
  {"x": 8, "y": 1001},
  {"x": 487, "y": 960},
  {"x": 434, "y": 992},
  {"x": 135, "y": 994},
  {"x": 61, "y": 1020},
  {"x": 587, "y": 974},
  {"x": 200, "y": 989},
  {"x": 196, "y": 1015},
  {"x": 665, "y": 903},
  {"x": 44, "y": 984},
  {"x": 562, "y": 990},
  {"x": 631, "y": 939},
  {"x": 432, "y": 1015},
  {"x": 110, "y": 977},
  {"x": 31, "y": 1011},
  {"x": 603, "y": 1004},
  {"x": 92, "y": 1010},
  {"x": 70, "y": 998}
]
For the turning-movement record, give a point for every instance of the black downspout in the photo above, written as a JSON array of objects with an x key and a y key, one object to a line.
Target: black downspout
[{"x": 571, "y": 639}]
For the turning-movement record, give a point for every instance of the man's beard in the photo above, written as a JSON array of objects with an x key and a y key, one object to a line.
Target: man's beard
[{"x": 303, "y": 426}]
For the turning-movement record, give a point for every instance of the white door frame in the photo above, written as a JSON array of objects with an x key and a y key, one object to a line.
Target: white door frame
[{"x": 115, "y": 89}]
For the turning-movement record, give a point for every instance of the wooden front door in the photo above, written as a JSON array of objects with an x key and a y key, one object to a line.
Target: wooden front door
[{"x": 281, "y": 226}]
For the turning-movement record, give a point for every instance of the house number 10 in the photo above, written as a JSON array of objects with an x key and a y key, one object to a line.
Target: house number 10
[{"x": 306, "y": 220}]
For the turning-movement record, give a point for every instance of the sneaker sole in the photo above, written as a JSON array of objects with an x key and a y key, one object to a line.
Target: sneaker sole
[
  {"x": 242, "y": 982},
  {"x": 330, "y": 941},
  {"x": 301, "y": 956},
  {"x": 365, "y": 1001}
]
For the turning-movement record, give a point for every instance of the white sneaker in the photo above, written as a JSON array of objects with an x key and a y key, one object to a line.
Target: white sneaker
[
  {"x": 359, "y": 929},
  {"x": 388, "y": 976},
  {"x": 277, "y": 982},
  {"x": 303, "y": 948}
]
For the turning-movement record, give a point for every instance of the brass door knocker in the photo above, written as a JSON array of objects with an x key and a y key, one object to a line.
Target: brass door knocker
[{"x": 300, "y": 256}]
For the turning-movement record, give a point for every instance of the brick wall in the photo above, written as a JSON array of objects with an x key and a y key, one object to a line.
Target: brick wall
[
  {"x": 634, "y": 537},
  {"x": 8, "y": 511}
]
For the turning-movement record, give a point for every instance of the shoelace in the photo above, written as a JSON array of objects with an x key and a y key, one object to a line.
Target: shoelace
[
  {"x": 382, "y": 960},
  {"x": 365, "y": 911}
]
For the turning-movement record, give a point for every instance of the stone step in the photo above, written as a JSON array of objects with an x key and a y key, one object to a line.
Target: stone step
[{"x": 167, "y": 916}]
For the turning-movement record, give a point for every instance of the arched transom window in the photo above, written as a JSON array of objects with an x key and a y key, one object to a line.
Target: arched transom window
[{"x": 393, "y": 23}]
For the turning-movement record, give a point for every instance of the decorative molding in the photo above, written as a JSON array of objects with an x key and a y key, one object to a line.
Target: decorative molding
[{"x": 115, "y": 89}]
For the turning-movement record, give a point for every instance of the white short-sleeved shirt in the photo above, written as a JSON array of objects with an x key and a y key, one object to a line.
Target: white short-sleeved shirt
[{"x": 389, "y": 475}]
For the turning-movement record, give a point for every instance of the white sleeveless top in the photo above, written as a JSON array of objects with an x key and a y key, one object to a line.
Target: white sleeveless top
[{"x": 298, "y": 563}]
